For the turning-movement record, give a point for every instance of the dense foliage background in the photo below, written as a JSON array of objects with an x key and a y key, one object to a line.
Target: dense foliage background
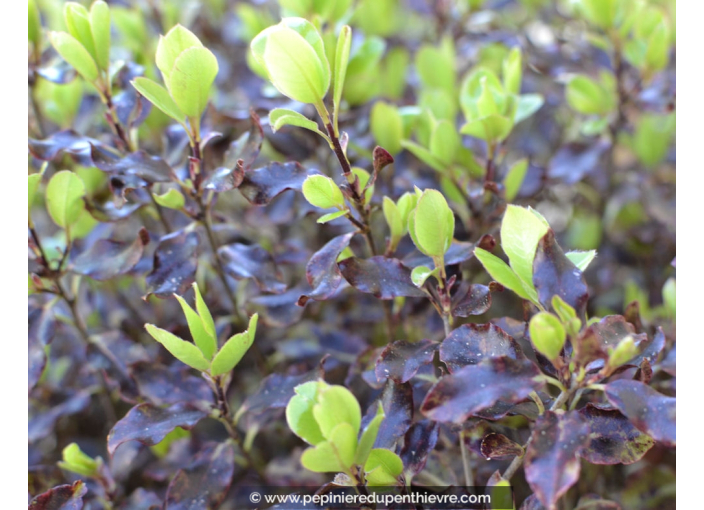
[{"x": 128, "y": 208}]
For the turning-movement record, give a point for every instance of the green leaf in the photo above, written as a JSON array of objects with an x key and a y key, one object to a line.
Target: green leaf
[
  {"x": 172, "y": 199},
  {"x": 436, "y": 68},
  {"x": 159, "y": 97},
  {"x": 624, "y": 352},
  {"x": 547, "y": 334},
  {"x": 512, "y": 71},
  {"x": 581, "y": 259},
  {"x": 514, "y": 178},
  {"x": 77, "y": 22},
  {"x": 34, "y": 25},
  {"x": 653, "y": 137},
  {"x": 204, "y": 340},
  {"x": 444, "y": 142},
  {"x": 280, "y": 117},
  {"x": 176, "y": 41},
  {"x": 191, "y": 78},
  {"x": 363, "y": 176},
  {"x": 600, "y": 12},
  {"x": 100, "y": 31},
  {"x": 64, "y": 198},
  {"x": 366, "y": 441},
  {"x": 294, "y": 56},
  {"x": 331, "y": 216},
  {"x": 521, "y": 230},
  {"x": 234, "y": 349},
  {"x": 421, "y": 273},
  {"x": 586, "y": 96},
  {"x": 299, "y": 412},
  {"x": 336, "y": 454},
  {"x": 184, "y": 351},
  {"x": 383, "y": 467},
  {"x": 563, "y": 310},
  {"x": 502, "y": 273},
  {"x": 433, "y": 224},
  {"x": 527, "y": 105},
  {"x": 74, "y": 460},
  {"x": 669, "y": 297},
  {"x": 207, "y": 318},
  {"x": 33, "y": 181},
  {"x": 321, "y": 191},
  {"x": 386, "y": 126},
  {"x": 424, "y": 155},
  {"x": 657, "y": 54},
  {"x": 342, "y": 57},
  {"x": 336, "y": 405},
  {"x": 75, "y": 54},
  {"x": 492, "y": 129}
]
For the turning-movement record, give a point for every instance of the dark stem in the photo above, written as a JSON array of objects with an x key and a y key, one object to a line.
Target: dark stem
[
  {"x": 227, "y": 420},
  {"x": 489, "y": 175},
  {"x": 37, "y": 112}
]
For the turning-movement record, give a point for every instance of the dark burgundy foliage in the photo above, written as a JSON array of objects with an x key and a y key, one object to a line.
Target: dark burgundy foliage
[
  {"x": 149, "y": 424},
  {"x": 475, "y": 388},
  {"x": 261, "y": 185},
  {"x": 382, "y": 277},
  {"x": 472, "y": 343},
  {"x": 108, "y": 258},
  {"x": 322, "y": 271},
  {"x": 205, "y": 482},
  {"x": 401, "y": 360},
  {"x": 612, "y": 438},
  {"x": 651, "y": 412},
  {"x": 552, "y": 462},
  {"x": 464, "y": 391},
  {"x": 497, "y": 447},
  {"x": 253, "y": 261},
  {"x": 175, "y": 261},
  {"x": 63, "y": 497},
  {"x": 555, "y": 275}
]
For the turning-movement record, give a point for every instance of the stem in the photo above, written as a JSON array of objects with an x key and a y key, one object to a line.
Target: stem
[
  {"x": 227, "y": 420},
  {"x": 37, "y": 112},
  {"x": 466, "y": 462},
  {"x": 446, "y": 324},
  {"x": 162, "y": 218},
  {"x": 489, "y": 175}
]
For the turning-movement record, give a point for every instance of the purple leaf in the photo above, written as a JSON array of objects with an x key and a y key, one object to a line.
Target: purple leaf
[
  {"x": 612, "y": 438},
  {"x": 62, "y": 497},
  {"x": 108, "y": 258},
  {"x": 457, "y": 253},
  {"x": 456, "y": 397},
  {"x": 472, "y": 343},
  {"x": 279, "y": 310},
  {"x": 383, "y": 277},
  {"x": 149, "y": 424},
  {"x": 247, "y": 146},
  {"x": 471, "y": 299},
  {"x": 595, "y": 502},
  {"x": 139, "y": 164},
  {"x": 651, "y": 412},
  {"x": 575, "y": 160},
  {"x": 397, "y": 401},
  {"x": 555, "y": 274},
  {"x": 261, "y": 185},
  {"x": 42, "y": 424},
  {"x": 252, "y": 261},
  {"x": 175, "y": 261},
  {"x": 109, "y": 212},
  {"x": 322, "y": 271},
  {"x": 551, "y": 460},
  {"x": 418, "y": 442},
  {"x": 224, "y": 179},
  {"x": 401, "y": 360},
  {"x": 40, "y": 334},
  {"x": 532, "y": 503},
  {"x": 161, "y": 385},
  {"x": 204, "y": 484},
  {"x": 68, "y": 141},
  {"x": 498, "y": 447},
  {"x": 275, "y": 391},
  {"x": 595, "y": 341}
]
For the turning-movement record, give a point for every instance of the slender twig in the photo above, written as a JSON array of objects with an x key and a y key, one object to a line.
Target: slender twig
[
  {"x": 227, "y": 420},
  {"x": 466, "y": 462}
]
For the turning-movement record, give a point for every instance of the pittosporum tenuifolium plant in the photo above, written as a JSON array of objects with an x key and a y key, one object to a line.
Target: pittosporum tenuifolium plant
[{"x": 450, "y": 274}]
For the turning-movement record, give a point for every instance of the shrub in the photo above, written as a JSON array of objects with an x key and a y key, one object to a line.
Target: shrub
[{"x": 397, "y": 245}]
